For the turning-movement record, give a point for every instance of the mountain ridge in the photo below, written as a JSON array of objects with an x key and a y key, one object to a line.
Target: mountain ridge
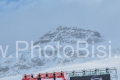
[{"x": 64, "y": 35}]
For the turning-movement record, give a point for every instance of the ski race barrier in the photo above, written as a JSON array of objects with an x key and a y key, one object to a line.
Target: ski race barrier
[{"x": 90, "y": 74}]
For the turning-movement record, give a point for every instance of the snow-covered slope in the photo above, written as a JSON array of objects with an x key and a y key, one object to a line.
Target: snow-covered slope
[
  {"x": 26, "y": 64},
  {"x": 69, "y": 36},
  {"x": 111, "y": 62}
]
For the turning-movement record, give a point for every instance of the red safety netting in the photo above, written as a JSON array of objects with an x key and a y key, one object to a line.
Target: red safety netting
[{"x": 44, "y": 77}]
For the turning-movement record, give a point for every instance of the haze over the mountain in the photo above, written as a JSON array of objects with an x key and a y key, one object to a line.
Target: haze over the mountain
[
  {"x": 64, "y": 35},
  {"x": 49, "y": 21}
]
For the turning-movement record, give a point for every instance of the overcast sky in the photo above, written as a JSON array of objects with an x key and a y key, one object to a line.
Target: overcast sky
[{"x": 30, "y": 19}]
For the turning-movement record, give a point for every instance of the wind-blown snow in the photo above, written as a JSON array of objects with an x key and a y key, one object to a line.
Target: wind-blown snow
[{"x": 110, "y": 62}]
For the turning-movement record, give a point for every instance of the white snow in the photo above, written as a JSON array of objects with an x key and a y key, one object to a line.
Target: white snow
[{"x": 110, "y": 62}]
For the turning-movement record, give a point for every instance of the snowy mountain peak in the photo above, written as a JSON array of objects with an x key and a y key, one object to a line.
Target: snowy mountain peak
[
  {"x": 65, "y": 35},
  {"x": 69, "y": 35}
]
